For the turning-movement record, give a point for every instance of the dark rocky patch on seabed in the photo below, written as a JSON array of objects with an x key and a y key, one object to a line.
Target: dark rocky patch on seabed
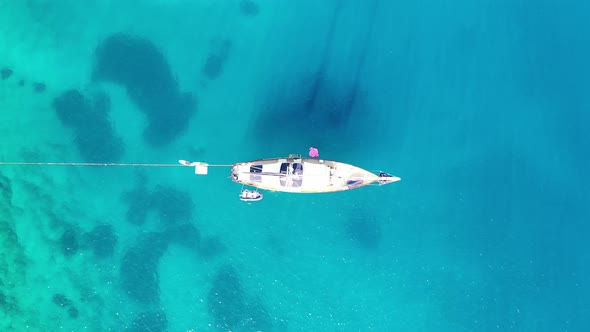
[{"x": 138, "y": 65}]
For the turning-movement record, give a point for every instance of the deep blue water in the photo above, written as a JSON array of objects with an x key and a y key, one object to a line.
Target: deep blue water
[{"x": 481, "y": 108}]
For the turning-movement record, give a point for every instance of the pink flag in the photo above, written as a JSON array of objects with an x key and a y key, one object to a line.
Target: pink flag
[{"x": 313, "y": 152}]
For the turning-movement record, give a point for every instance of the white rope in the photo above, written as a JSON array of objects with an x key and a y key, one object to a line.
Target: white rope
[
  {"x": 20, "y": 163},
  {"x": 84, "y": 164}
]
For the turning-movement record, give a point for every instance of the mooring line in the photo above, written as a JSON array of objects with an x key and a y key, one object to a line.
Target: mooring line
[{"x": 22, "y": 163}]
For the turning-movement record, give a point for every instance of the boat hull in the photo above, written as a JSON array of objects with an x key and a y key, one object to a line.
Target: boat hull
[{"x": 303, "y": 175}]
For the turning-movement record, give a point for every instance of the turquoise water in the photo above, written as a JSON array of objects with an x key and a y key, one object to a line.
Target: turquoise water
[{"x": 480, "y": 107}]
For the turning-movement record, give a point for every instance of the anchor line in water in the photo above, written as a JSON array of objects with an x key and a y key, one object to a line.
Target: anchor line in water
[{"x": 22, "y": 163}]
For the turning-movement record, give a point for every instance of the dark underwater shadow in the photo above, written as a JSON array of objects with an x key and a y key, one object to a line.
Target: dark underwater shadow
[
  {"x": 231, "y": 306},
  {"x": 364, "y": 230},
  {"x": 140, "y": 66},
  {"x": 311, "y": 111},
  {"x": 88, "y": 118}
]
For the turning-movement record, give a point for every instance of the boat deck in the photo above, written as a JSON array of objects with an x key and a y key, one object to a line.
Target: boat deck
[{"x": 301, "y": 175}]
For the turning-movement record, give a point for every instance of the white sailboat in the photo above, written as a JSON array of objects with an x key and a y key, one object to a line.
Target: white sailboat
[{"x": 294, "y": 174}]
